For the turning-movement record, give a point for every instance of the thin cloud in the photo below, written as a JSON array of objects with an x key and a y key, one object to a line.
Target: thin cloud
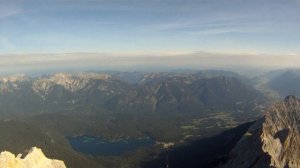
[
  {"x": 9, "y": 10},
  {"x": 225, "y": 30},
  {"x": 224, "y": 25}
]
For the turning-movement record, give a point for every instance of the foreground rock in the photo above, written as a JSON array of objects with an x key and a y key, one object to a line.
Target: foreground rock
[
  {"x": 273, "y": 141},
  {"x": 34, "y": 159}
]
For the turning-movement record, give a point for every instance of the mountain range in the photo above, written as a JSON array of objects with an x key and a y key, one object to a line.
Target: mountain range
[
  {"x": 170, "y": 107},
  {"x": 153, "y": 92}
]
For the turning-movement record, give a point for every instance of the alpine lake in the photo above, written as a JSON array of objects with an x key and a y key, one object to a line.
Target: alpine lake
[{"x": 99, "y": 146}]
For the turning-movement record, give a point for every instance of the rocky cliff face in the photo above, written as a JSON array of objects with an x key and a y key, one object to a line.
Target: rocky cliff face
[
  {"x": 34, "y": 159},
  {"x": 273, "y": 141}
]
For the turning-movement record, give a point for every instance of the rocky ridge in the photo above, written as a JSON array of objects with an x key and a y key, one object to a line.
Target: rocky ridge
[
  {"x": 34, "y": 159},
  {"x": 155, "y": 92},
  {"x": 272, "y": 141},
  {"x": 71, "y": 82}
]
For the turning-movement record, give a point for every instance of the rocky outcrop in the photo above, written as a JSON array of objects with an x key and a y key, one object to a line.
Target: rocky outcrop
[
  {"x": 34, "y": 159},
  {"x": 273, "y": 141},
  {"x": 71, "y": 82}
]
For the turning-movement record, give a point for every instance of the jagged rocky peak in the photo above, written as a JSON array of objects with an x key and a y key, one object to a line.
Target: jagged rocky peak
[
  {"x": 273, "y": 141},
  {"x": 290, "y": 99},
  {"x": 14, "y": 78},
  {"x": 70, "y": 81},
  {"x": 34, "y": 159},
  {"x": 80, "y": 75},
  {"x": 92, "y": 75}
]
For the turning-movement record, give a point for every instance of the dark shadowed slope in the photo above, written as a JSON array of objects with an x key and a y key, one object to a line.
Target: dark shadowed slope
[{"x": 204, "y": 153}]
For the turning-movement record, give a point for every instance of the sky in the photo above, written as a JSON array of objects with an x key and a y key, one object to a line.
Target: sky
[{"x": 147, "y": 28}]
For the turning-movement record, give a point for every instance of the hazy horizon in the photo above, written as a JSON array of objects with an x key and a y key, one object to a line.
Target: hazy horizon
[{"x": 76, "y": 62}]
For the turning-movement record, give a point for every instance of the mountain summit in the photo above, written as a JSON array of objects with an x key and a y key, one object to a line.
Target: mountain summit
[
  {"x": 34, "y": 159},
  {"x": 273, "y": 141}
]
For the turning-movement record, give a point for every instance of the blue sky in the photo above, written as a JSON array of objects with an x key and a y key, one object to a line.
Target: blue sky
[
  {"x": 150, "y": 26},
  {"x": 130, "y": 34}
]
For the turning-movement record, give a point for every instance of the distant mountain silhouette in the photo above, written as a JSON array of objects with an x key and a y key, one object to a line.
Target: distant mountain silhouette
[
  {"x": 286, "y": 83},
  {"x": 154, "y": 92}
]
